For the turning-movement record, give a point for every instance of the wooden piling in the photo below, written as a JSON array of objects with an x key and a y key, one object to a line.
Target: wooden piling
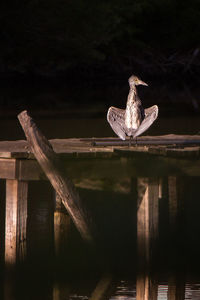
[
  {"x": 147, "y": 218},
  {"x": 16, "y": 221},
  {"x": 147, "y": 236},
  {"x": 62, "y": 224},
  {"x": 48, "y": 160}
]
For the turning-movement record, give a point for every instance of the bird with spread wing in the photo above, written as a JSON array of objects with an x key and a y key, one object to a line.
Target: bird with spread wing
[{"x": 134, "y": 120}]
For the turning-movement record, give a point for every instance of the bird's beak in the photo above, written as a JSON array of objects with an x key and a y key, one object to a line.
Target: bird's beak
[{"x": 142, "y": 83}]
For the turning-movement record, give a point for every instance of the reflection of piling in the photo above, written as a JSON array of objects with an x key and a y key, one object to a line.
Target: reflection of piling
[
  {"x": 175, "y": 204},
  {"x": 176, "y": 282},
  {"x": 176, "y": 287},
  {"x": 146, "y": 287}
]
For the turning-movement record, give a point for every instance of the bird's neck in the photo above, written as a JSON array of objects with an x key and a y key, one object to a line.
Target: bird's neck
[{"x": 132, "y": 95}]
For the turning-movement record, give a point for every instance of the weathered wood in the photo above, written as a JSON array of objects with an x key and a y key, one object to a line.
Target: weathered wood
[
  {"x": 95, "y": 168},
  {"x": 48, "y": 160},
  {"x": 149, "y": 192},
  {"x": 21, "y": 169},
  {"x": 16, "y": 221},
  {"x": 7, "y": 168},
  {"x": 29, "y": 169},
  {"x": 147, "y": 220},
  {"x": 77, "y": 147},
  {"x": 147, "y": 142}
]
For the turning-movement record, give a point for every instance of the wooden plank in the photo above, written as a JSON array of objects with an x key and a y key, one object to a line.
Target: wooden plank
[
  {"x": 14, "y": 154},
  {"x": 29, "y": 169},
  {"x": 48, "y": 160},
  {"x": 16, "y": 221},
  {"x": 187, "y": 152},
  {"x": 146, "y": 138},
  {"x": 22, "y": 169},
  {"x": 115, "y": 168},
  {"x": 148, "y": 142},
  {"x": 20, "y": 148}
]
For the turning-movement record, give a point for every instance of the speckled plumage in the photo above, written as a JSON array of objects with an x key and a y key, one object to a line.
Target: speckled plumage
[{"x": 134, "y": 120}]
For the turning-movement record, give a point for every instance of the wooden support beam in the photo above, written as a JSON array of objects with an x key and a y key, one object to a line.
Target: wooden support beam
[
  {"x": 16, "y": 221},
  {"x": 149, "y": 191},
  {"x": 147, "y": 218},
  {"x": 2, "y": 223},
  {"x": 48, "y": 160},
  {"x": 62, "y": 224}
]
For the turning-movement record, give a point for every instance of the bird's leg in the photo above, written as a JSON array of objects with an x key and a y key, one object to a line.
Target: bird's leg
[
  {"x": 136, "y": 141},
  {"x": 130, "y": 141}
]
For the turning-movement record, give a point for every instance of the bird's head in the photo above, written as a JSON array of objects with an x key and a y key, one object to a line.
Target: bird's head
[{"x": 134, "y": 80}]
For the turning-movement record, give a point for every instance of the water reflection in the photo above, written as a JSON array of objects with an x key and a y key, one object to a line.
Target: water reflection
[{"x": 148, "y": 229}]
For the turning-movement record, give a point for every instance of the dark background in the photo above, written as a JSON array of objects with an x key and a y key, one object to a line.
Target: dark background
[{"x": 95, "y": 44}]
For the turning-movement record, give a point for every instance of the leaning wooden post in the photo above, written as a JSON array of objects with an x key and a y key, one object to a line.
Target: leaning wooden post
[{"x": 49, "y": 162}]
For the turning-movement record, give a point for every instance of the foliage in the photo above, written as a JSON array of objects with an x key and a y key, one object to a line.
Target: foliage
[{"x": 56, "y": 35}]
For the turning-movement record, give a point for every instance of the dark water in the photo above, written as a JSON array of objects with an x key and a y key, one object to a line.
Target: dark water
[{"x": 112, "y": 270}]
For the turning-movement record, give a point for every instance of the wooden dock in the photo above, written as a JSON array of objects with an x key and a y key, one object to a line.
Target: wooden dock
[
  {"x": 177, "y": 155},
  {"x": 152, "y": 159}
]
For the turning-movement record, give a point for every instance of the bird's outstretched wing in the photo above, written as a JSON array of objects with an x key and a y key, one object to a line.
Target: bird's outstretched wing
[
  {"x": 151, "y": 114},
  {"x": 116, "y": 119}
]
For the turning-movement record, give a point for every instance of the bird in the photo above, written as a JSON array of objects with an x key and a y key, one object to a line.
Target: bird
[{"x": 134, "y": 120}]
